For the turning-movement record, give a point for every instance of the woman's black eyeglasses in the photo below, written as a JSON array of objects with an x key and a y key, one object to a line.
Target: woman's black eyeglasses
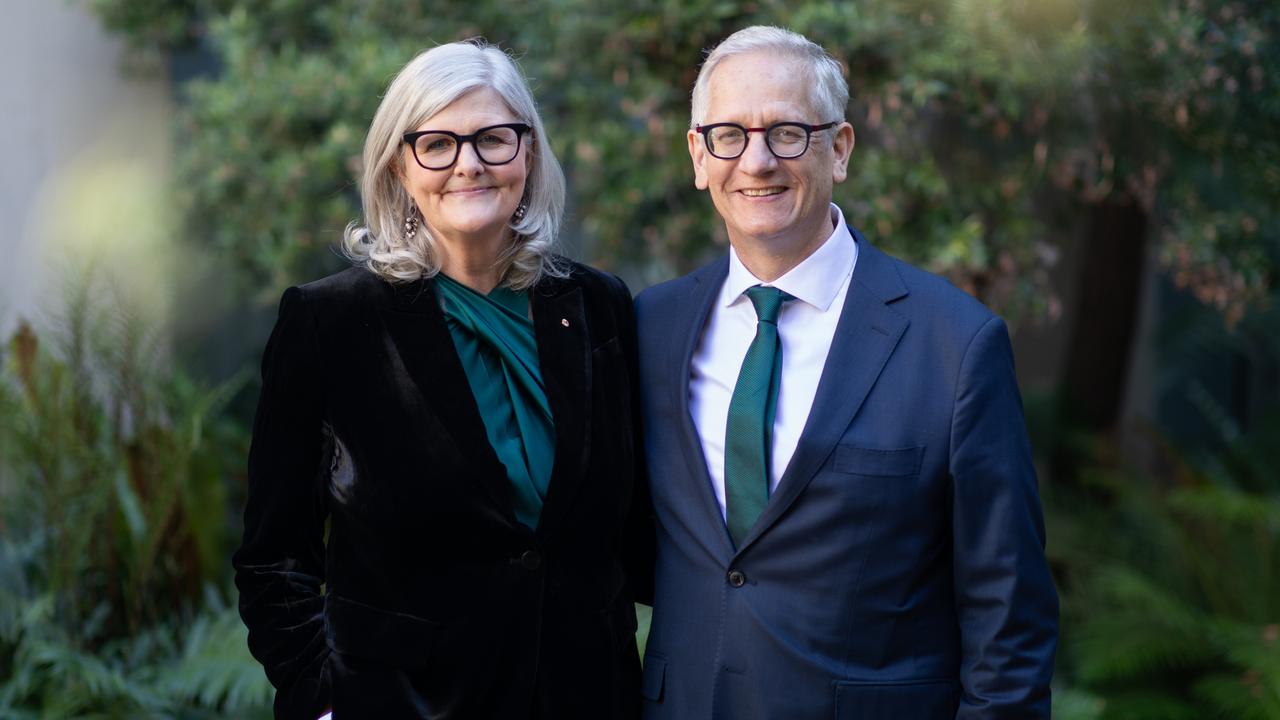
[{"x": 494, "y": 145}]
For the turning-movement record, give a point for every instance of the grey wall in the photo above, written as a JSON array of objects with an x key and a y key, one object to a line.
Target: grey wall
[{"x": 74, "y": 127}]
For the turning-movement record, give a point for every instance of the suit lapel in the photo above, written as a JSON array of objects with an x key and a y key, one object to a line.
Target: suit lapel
[
  {"x": 865, "y": 337},
  {"x": 564, "y": 359},
  {"x": 689, "y": 326},
  {"x": 417, "y": 328}
]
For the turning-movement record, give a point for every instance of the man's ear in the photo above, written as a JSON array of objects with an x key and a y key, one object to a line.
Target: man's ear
[
  {"x": 842, "y": 147},
  {"x": 698, "y": 153}
]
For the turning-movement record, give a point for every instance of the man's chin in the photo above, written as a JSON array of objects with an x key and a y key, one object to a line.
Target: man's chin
[{"x": 763, "y": 232}]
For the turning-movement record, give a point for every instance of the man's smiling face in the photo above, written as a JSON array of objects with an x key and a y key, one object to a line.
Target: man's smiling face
[{"x": 767, "y": 202}]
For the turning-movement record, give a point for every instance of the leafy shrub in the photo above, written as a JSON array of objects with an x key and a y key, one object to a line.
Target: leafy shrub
[{"x": 114, "y": 525}]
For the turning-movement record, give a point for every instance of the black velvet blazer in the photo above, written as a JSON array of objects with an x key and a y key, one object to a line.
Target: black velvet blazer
[{"x": 424, "y": 597}]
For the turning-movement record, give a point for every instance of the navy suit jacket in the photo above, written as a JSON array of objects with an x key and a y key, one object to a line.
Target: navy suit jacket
[{"x": 898, "y": 570}]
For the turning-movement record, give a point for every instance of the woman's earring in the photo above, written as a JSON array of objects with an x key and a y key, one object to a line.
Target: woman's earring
[
  {"x": 410, "y": 225},
  {"x": 521, "y": 209}
]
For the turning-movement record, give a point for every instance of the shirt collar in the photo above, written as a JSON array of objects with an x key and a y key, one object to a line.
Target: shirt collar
[{"x": 816, "y": 280}]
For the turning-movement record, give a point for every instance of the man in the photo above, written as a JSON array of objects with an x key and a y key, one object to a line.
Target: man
[{"x": 848, "y": 520}]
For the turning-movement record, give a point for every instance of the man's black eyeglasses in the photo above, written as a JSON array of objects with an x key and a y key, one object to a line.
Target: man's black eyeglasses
[{"x": 785, "y": 140}]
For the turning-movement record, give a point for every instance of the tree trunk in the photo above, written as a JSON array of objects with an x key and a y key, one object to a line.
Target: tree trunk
[{"x": 1108, "y": 302}]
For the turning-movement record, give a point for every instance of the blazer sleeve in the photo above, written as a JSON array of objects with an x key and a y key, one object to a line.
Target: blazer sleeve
[
  {"x": 279, "y": 568},
  {"x": 1005, "y": 598}
]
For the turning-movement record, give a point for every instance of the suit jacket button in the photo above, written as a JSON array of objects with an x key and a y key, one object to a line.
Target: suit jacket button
[
  {"x": 531, "y": 559},
  {"x": 737, "y": 578}
]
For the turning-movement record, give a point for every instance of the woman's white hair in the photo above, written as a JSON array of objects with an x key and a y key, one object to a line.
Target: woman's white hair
[
  {"x": 822, "y": 74},
  {"x": 424, "y": 87}
]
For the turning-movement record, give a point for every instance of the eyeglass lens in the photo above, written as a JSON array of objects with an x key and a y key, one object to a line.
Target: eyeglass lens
[
  {"x": 497, "y": 145},
  {"x": 785, "y": 140}
]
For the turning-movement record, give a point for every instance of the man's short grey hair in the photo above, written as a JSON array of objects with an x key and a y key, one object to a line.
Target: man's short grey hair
[
  {"x": 424, "y": 87},
  {"x": 822, "y": 74}
]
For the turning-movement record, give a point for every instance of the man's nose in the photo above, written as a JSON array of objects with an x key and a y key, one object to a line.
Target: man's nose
[{"x": 756, "y": 158}]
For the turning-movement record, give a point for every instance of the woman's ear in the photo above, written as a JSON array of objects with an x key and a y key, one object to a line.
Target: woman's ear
[{"x": 397, "y": 170}]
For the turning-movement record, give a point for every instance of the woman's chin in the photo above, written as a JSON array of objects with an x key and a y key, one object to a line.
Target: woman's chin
[{"x": 477, "y": 229}]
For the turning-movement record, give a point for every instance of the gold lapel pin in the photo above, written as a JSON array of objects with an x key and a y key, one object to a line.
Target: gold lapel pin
[{"x": 564, "y": 322}]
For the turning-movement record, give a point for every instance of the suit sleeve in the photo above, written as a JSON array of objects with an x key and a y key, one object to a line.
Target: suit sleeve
[
  {"x": 1005, "y": 598},
  {"x": 638, "y": 539},
  {"x": 279, "y": 568}
]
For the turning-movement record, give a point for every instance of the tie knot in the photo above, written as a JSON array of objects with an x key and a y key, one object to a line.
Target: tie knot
[{"x": 767, "y": 301}]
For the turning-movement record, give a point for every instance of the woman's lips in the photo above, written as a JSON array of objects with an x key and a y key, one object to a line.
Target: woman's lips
[{"x": 469, "y": 191}]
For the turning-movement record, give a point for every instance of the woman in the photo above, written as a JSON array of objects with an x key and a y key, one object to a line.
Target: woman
[{"x": 459, "y": 409}]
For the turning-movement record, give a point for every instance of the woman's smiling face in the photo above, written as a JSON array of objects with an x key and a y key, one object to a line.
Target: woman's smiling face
[{"x": 469, "y": 200}]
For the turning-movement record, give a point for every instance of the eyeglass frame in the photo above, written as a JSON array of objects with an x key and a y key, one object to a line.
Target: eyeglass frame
[
  {"x": 411, "y": 139},
  {"x": 705, "y": 131}
]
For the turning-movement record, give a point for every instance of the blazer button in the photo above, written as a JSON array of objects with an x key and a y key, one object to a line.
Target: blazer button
[
  {"x": 737, "y": 578},
  {"x": 531, "y": 560}
]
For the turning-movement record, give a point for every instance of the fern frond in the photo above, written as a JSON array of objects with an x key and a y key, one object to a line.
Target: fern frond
[
  {"x": 1149, "y": 705},
  {"x": 1137, "y": 630},
  {"x": 215, "y": 669},
  {"x": 1218, "y": 504},
  {"x": 1076, "y": 704},
  {"x": 1241, "y": 696}
]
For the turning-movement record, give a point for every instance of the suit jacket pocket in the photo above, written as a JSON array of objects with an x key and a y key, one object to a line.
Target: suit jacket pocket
[
  {"x": 902, "y": 462},
  {"x": 655, "y": 675},
  {"x": 363, "y": 631},
  {"x": 916, "y": 699}
]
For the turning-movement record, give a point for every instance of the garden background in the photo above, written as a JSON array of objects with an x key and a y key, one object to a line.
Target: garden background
[{"x": 1104, "y": 174}]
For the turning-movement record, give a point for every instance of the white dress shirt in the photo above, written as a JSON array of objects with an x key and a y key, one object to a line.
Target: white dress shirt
[{"x": 806, "y": 327}]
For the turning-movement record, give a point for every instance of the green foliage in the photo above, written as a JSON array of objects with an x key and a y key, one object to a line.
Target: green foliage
[
  {"x": 1181, "y": 627},
  {"x": 1170, "y": 576},
  {"x": 984, "y": 126},
  {"x": 159, "y": 24},
  {"x": 189, "y": 667},
  {"x": 986, "y": 130},
  {"x": 113, "y": 521},
  {"x": 1172, "y": 592},
  {"x": 274, "y": 141},
  {"x": 1196, "y": 86},
  {"x": 214, "y": 669},
  {"x": 114, "y": 459}
]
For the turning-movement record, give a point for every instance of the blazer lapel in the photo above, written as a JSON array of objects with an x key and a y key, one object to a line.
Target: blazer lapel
[
  {"x": 417, "y": 328},
  {"x": 564, "y": 359},
  {"x": 865, "y": 337},
  {"x": 689, "y": 326}
]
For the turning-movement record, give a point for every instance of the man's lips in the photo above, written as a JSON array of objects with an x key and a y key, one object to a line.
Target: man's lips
[{"x": 762, "y": 192}]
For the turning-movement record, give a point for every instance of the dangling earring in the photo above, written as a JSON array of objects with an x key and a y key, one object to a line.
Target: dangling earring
[
  {"x": 521, "y": 209},
  {"x": 411, "y": 225}
]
